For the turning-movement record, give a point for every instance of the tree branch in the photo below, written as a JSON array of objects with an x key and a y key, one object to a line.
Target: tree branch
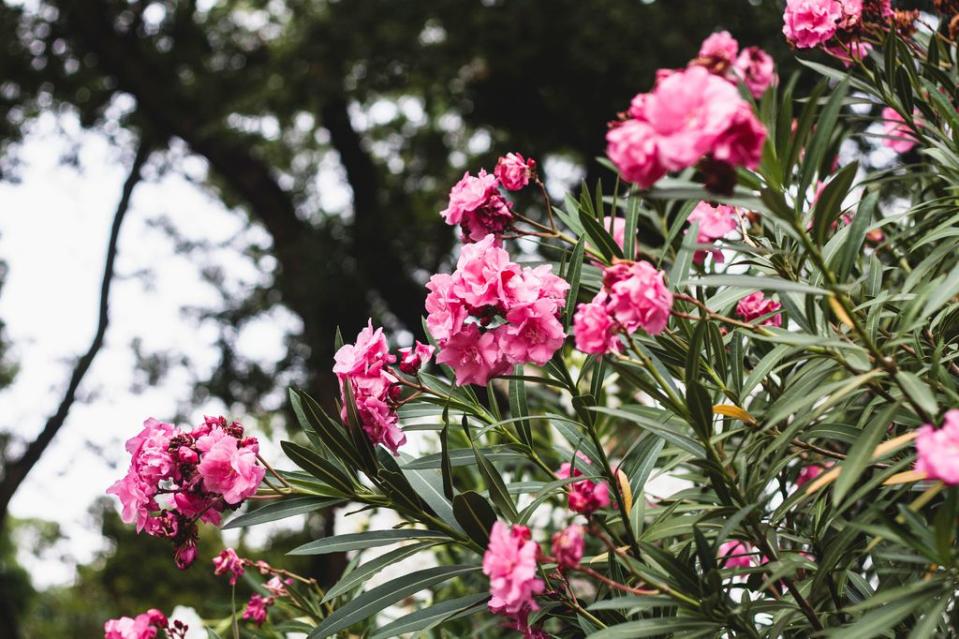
[{"x": 15, "y": 472}]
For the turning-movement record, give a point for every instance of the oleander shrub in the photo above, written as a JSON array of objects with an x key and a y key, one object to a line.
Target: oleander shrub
[{"x": 713, "y": 396}]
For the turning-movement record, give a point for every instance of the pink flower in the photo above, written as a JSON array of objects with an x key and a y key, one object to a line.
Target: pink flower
[
  {"x": 412, "y": 358},
  {"x": 228, "y": 469},
  {"x": 185, "y": 554},
  {"x": 533, "y": 333},
  {"x": 446, "y": 312},
  {"x": 617, "y": 228},
  {"x": 144, "y": 626},
  {"x": 594, "y": 328},
  {"x": 510, "y": 564},
  {"x": 808, "y": 473},
  {"x": 741, "y": 143},
  {"x": 195, "y": 505},
  {"x": 379, "y": 421},
  {"x": 633, "y": 147},
  {"x": 136, "y": 497},
  {"x": 277, "y": 587},
  {"x": 367, "y": 357},
  {"x": 514, "y": 171},
  {"x": 714, "y": 223},
  {"x": 256, "y": 609},
  {"x": 585, "y": 496},
  {"x": 469, "y": 194},
  {"x": 851, "y": 13},
  {"x": 719, "y": 47},
  {"x": 638, "y": 298},
  {"x": 937, "y": 451},
  {"x": 483, "y": 271},
  {"x": 848, "y": 52},
  {"x": 228, "y": 562},
  {"x": 736, "y": 554},
  {"x": 689, "y": 110},
  {"x": 809, "y": 23},
  {"x": 756, "y": 69},
  {"x": 476, "y": 358},
  {"x": 755, "y": 305},
  {"x": 568, "y": 546},
  {"x": 899, "y": 136}
]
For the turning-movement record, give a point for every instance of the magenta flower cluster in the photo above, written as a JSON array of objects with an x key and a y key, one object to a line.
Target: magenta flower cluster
[
  {"x": 937, "y": 450},
  {"x": 752, "y": 66},
  {"x": 257, "y": 608},
  {"x": 585, "y": 496},
  {"x": 491, "y": 314},
  {"x": 365, "y": 367},
  {"x": 144, "y": 626},
  {"x": 197, "y": 473},
  {"x": 835, "y": 25},
  {"x": 756, "y": 305},
  {"x": 715, "y": 222}
]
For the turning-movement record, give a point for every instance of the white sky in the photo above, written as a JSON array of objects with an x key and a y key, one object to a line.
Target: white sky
[{"x": 54, "y": 227}]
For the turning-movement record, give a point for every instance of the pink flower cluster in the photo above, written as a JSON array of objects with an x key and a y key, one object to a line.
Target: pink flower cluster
[
  {"x": 715, "y": 222},
  {"x": 144, "y": 626},
  {"x": 755, "y": 305},
  {"x": 634, "y": 295},
  {"x": 365, "y": 366},
  {"x": 835, "y": 25},
  {"x": 229, "y": 563},
  {"x": 690, "y": 114},
  {"x": 737, "y": 554},
  {"x": 510, "y": 563},
  {"x": 899, "y": 137},
  {"x": 478, "y": 206},
  {"x": 568, "y": 546},
  {"x": 937, "y": 451},
  {"x": 585, "y": 496},
  {"x": 204, "y": 471},
  {"x": 491, "y": 314},
  {"x": 720, "y": 54}
]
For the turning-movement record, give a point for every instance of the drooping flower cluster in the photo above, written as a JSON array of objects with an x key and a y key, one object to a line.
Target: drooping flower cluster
[
  {"x": 840, "y": 27},
  {"x": 720, "y": 54},
  {"x": 257, "y": 608},
  {"x": 510, "y": 564},
  {"x": 756, "y": 305},
  {"x": 201, "y": 472},
  {"x": 937, "y": 450},
  {"x": 476, "y": 203},
  {"x": 491, "y": 314},
  {"x": 585, "y": 496},
  {"x": 715, "y": 222},
  {"x": 689, "y": 115},
  {"x": 634, "y": 296},
  {"x": 144, "y": 626}
]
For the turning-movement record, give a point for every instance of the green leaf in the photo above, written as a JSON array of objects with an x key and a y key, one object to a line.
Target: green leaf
[
  {"x": 881, "y": 620},
  {"x": 821, "y": 138},
  {"x": 518, "y": 407},
  {"x": 752, "y": 283},
  {"x": 320, "y": 468},
  {"x": 446, "y": 466},
  {"x": 684, "y": 258},
  {"x": 658, "y": 627},
  {"x": 918, "y": 391},
  {"x": 600, "y": 237},
  {"x": 859, "y": 456},
  {"x": 428, "y": 485},
  {"x": 280, "y": 510},
  {"x": 928, "y": 626},
  {"x": 354, "y": 578},
  {"x": 573, "y": 276},
  {"x": 427, "y": 618},
  {"x": 373, "y": 601},
  {"x": 369, "y": 539},
  {"x": 475, "y": 515},
  {"x": 495, "y": 485},
  {"x": 852, "y": 247},
  {"x": 459, "y": 457},
  {"x": 829, "y": 205},
  {"x": 700, "y": 409}
]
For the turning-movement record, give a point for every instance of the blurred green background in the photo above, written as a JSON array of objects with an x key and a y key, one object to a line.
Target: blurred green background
[{"x": 398, "y": 97}]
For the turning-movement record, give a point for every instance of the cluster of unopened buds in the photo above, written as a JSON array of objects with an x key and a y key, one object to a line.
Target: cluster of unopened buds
[
  {"x": 695, "y": 117},
  {"x": 147, "y": 625},
  {"x": 257, "y": 608},
  {"x": 843, "y": 28},
  {"x": 178, "y": 477}
]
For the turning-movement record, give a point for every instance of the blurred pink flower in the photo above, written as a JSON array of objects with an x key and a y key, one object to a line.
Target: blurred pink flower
[
  {"x": 412, "y": 358},
  {"x": 809, "y": 23},
  {"x": 568, "y": 546},
  {"x": 256, "y": 609},
  {"x": 719, "y": 47},
  {"x": 228, "y": 562},
  {"x": 899, "y": 136},
  {"x": 756, "y": 69},
  {"x": 755, "y": 305},
  {"x": 937, "y": 450},
  {"x": 510, "y": 564},
  {"x": 594, "y": 328},
  {"x": 737, "y": 554},
  {"x": 638, "y": 297}
]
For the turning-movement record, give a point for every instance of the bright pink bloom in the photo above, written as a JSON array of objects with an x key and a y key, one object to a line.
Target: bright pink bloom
[
  {"x": 618, "y": 230},
  {"x": 741, "y": 143},
  {"x": 715, "y": 222},
  {"x": 755, "y": 305},
  {"x": 514, "y": 171},
  {"x": 585, "y": 496},
  {"x": 144, "y": 626},
  {"x": 719, "y": 47},
  {"x": 533, "y": 333},
  {"x": 809, "y": 23},
  {"x": 737, "y": 554},
  {"x": 756, "y": 69},
  {"x": 469, "y": 194},
  {"x": 483, "y": 271},
  {"x": 689, "y": 110},
  {"x": 475, "y": 357},
  {"x": 150, "y": 463},
  {"x": 594, "y": 327},
  {"x": 899, "y": 136},
  {"x": 380, "y": 422},
  {"x": 229, "y": 469},
  {"x": 851, "y": 13},
  {"x": 367, "y": 357},
  {"x": 185, "y": 554},
  {"x": 136, "y": 497},
  {"x": 937, "y": 451},
  {"x": 412, "y": 358},
  {"x": 446, "y": 312},
  {"x": 568, "y": 546},
  {"x": 632, "y": 146},
  {"x": 277, "y": 587},
  {"x": 256, "y": 609},
  {"x": 228, "y": 562},
  {"x": 193, "y": 505},
  {"x": 808, "y": 473},
  {"x": 638, "y": 298},
  {"x": 510, "y": 564}
]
